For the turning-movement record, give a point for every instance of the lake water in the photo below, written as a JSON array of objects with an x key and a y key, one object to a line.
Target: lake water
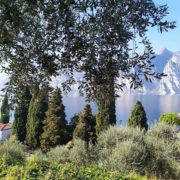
[{"x": 154, "y": 106}]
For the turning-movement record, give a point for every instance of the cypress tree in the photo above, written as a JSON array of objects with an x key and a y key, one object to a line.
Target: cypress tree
[
  {"x": 20, "y": 116},
  {"x": 5, "y": 110},
  {"x": 85, "y": 128},
  {"x": 106, "y": 115},
  {"x": 74, "y": 120},
  {"x": 36, "y": 115},
  {"x": 55, "y": 123},
  {"x": 72, "y": 125},
  {"x": 138, "y": 117}
]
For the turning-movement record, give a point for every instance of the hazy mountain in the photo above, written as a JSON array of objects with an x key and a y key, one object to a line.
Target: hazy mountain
[
  {"x": 171, "y": 83},
  {"x": 166, "y": 61}
]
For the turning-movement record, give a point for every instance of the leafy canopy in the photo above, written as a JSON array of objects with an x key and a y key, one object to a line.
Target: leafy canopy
[{"x": 41, "y": 39}]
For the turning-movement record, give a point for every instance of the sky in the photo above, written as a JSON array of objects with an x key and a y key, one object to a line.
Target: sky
[{"x": 170, "y": 39}]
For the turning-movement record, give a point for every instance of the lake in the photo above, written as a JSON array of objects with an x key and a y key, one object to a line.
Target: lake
[{"x": 154, "y": 106}]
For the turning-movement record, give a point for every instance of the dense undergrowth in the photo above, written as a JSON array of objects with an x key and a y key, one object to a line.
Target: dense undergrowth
[
  {"x": 120, "y": 153},
  {"x": 67, "y": 171}
]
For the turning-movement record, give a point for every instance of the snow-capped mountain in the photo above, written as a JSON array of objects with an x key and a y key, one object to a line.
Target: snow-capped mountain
[
  {"x": 166, "y": 61},
  {"x": 171, "y": 83}
]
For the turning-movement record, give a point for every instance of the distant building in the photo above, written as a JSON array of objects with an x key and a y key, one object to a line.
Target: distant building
[{"x": 5, "y": 131}]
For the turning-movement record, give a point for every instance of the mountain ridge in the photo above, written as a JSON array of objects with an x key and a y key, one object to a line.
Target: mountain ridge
[{"x": 166, "y": 62}]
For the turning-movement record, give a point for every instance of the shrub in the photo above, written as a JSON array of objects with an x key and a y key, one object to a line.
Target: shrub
[
  {"x": 59, "y": 154},
  {"x": 153, "y": 153},
  {"x": 163, "y": 131},
  {"x": 161, "y": 161},
  {"x": 12, "y": 152},
  {"x": 110, "y": 138},
  {"x": 80, "y": 153},
  {"x": 162, "y": 142},
  {"x": 49, "y": 171},
  {"x": 69, "y": 145},
  {"x": 83, "y": 154},
  {"x": 127, "y": 156},
  {"x": 122, "y": 149},
  {"x": 37, "y": 157},
  {"x": 170, "y": 118}
]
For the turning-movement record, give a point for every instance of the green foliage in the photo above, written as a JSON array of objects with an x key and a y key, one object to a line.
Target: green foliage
[
  {"x": 59, "y": 154},
  {"x": 127, "y": 156},
  {"x": 74, "y": 120},
  {"x": 83, "y": 154},
  {"x": 36, "y": 115},
  {"x": 72, "y": 125},
  {"x": 20, "y": 116},
  {"x": 32, "y": 60},
  {"x": 106, "y": 115},
  {"x": 163, "y": 131},
  {"x": 79, "y": 154},
  {"x": 101, "y": 67},
  {"x": 37, "y": 157},
  {"x": 138, "y": 117},
  {"x": 49, "y": 171},
  {"x": 12, "y": 152},
  {"x": 108, "y": 139},
  {"x": 154, "y": 153},
  {"x": 162, "y": 142},
  {"x": 85, "y": 128},
  {"x": 5, "y": 110},
  {"x": 170, "y": 118},
  {"x": 55, "y": 123},
  {"x": 166, "y": 134}
]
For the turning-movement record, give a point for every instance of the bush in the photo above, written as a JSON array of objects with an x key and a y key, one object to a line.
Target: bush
[
  {"x": 161, "y": 162},
  {"x": 170, "y": 118},
  {"x": 59, "y": 154},
  {"x": 163, "y": 131},
  {"x": 155, "y": 153},
  {"x": 127, "y": 156},
  {"x": 83, "y": 154},
  {"x": 112, "y": 136},
  {"x": 38, "y": 157},
  {"x": 127, "y": 150},
  {"x": 166, "y": 134},
  {"x": 12, "y": 152},
  {"x": 80, "y": 153},
  {"x": 163, "y": 144},
  {"x": 49, "y": 171}
]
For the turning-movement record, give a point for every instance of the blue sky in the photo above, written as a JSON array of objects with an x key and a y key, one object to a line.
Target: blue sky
[{"x": 171, "y": 39}]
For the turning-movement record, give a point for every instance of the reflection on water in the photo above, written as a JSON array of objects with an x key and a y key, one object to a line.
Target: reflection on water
[{"x": 154, "y": 106}]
